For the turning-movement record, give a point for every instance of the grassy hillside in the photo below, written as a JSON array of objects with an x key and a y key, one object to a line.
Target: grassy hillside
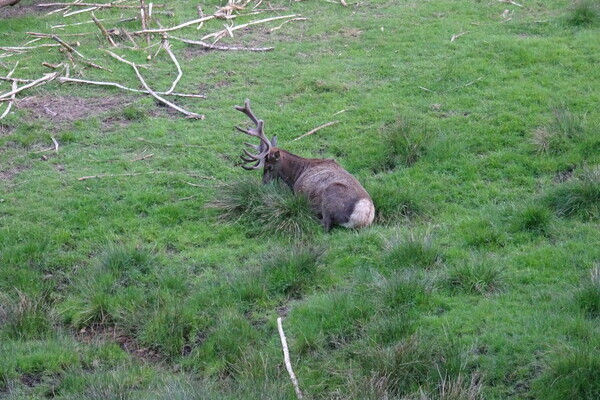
[{"x": 474, "y": 125}]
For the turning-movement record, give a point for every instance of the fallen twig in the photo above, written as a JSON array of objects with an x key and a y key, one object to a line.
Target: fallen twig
[
  {"x": 229, "y": 30},
  {"x": 454, "y": 37},
  {"x": 286, "y": 358},
  {"x": 98, "y": 5},
  {"x": 153, "y": 93},
  {"x": 25, "y": 48},
  {"x": 119, "y": 86},
  {"x": 45, "y": 79},
  {"x": 55, "y": 143},
  {"x": 141, "y": 139},
  {"x": 285, "y": 22},
  {"x": 167, "y": 46},
  {"x": 316, "y": 129},
  {"x": 147, "y": 156},
  {"x": 14, "y": 87},
  {"x": 223, "y": 48},
  {"x": 174, "y": 28},
  {"x": 511, "y": 2},
  {"x": 67, "y": 46},
  {"x": 103, "y": 30},
  {"x": 100, "y": 176}
]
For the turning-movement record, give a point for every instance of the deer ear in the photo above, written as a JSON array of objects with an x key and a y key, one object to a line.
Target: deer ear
[{"x": 276, "y": 155}]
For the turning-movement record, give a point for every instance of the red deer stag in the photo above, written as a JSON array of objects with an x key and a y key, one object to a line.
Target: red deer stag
[{"x": 335, "y": 196}]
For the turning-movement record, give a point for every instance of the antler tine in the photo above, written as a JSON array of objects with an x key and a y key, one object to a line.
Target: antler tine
[
  {"x": 259, "y": 164},
  {"x": 246, "y": 110},
  {"x": 255, "y": 147},
  {"x": 258, "y": 132}
]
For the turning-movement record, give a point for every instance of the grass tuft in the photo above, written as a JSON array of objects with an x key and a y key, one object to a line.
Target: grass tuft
[
  {"x": 556, "y": 136},
  {"x": 476, "y": 276},
  {"x": 584, "y": 13},
  {"x": 123, "y": 260},
  {"x": 405, "y": 142},
  {"x": 572, "y": 373},
  {"x": 588, "y": 297},
  {"x": 534, "y": 218},
  {"x": 393, "y": 205},
  {"x": 293, "y": 271},
  {"x": 23, "y": 318},
  {"x": 577, "y": 197},
  {"x": 271, "y": 209},
  {"x": 412, "y": 251}
]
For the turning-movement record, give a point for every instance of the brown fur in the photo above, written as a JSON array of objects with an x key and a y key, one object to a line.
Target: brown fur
[{"x": 332, "y": 191}]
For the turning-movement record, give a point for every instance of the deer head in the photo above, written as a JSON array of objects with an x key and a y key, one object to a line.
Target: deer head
[{"x": 266, "y": 157}]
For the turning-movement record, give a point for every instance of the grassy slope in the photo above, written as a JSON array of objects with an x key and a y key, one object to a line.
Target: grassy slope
[{"x": 480, "y": 282}]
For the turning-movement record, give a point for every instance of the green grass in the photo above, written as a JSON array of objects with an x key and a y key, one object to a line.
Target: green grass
[{"x": 163, "y": 277}]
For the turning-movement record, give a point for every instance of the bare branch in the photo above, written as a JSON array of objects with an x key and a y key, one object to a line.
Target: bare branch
[
  {"x": 229, "y": 30},
  {"x": 98, "y": 5},
  {"x": 12, "y": 97},
  {"x": 223, "y": 48},
  {"x": 316, "y": 129},
  {"x": 285, "y": 22},
  {"x": 45, "y": 79},
  {"x": 286, "y": 358},
  {"x": 167, "y": 46},
  {"x": 153, "y": 93},
  {"x": 174, "y": 28},
  {"x": 119, "y": 86},
  {"x": 103, "y": 30}
]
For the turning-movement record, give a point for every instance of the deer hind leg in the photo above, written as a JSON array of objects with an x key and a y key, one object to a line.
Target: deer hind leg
[{"x": 326, "y": 220}]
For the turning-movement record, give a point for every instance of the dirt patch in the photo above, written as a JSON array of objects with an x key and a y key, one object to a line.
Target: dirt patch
[
  {"x": 10, "y": 173},
  {"x": 5, "y": 130},
  {"x": 31, "y": 380},
  {"x": 61, "y": 109},
  {"x": 24, "y": 8},
  {"x": 98, "y": 332}
]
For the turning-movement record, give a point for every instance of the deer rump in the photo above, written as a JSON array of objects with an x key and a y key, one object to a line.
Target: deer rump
[{"x": 336, "y": 197}]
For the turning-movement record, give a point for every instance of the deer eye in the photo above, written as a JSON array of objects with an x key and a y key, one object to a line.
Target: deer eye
[{"x": 269, "y": 167}]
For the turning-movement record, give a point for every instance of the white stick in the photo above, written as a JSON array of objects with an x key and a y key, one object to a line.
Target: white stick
[
  {"x": 316, "y": 129},
  {"x": 286, "y": 358},
  {"x": 153, "y": 93},
  {"x": 118, "y": 85},
  {"x": 167, "y": 47},
  {"x": 12, "y": 98},
  {"x": 174, "y": 28},
  {"x": 235, "y": 28},
  {"x": 46, "y": 78}
]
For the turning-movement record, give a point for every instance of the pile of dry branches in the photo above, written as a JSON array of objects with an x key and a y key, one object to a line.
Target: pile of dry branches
[{"x": 150, "y": 35}]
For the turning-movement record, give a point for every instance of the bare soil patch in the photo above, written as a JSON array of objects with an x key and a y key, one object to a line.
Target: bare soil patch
[
  {"x": 24, "y": 8},
  {"x": 61, "y": 109},
  {"x": 10, "y": 173},
  {"x": 98, "y": 332}
]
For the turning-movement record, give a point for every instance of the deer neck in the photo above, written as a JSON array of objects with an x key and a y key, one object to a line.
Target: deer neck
[{"x": 292, "y": 167}]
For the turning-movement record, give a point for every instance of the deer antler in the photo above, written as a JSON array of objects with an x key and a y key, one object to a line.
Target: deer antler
[{"x": 265, "y": 144}]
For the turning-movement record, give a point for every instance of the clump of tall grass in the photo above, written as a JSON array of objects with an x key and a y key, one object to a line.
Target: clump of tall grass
[
  {"x": 23, "y": 317},
  {"x": 577, "y": 197},
  {"x": 588, "y": 296},
  {"x": 535, "y": 218},
  {"x": 292, "y": 272},
  {"x": 405, "y": 142},
  {"x": 556, "y": 136},
  {"x": 417, "y": 368},
  {"x": 393, "y": 205},
  {"x": 271, "y": 209},
  {"x": 476, "y": 276},
  {"x": 584, "y": 13},
  {"x": 412, "y": 251},
  {"x": 571, "y": 373}
]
